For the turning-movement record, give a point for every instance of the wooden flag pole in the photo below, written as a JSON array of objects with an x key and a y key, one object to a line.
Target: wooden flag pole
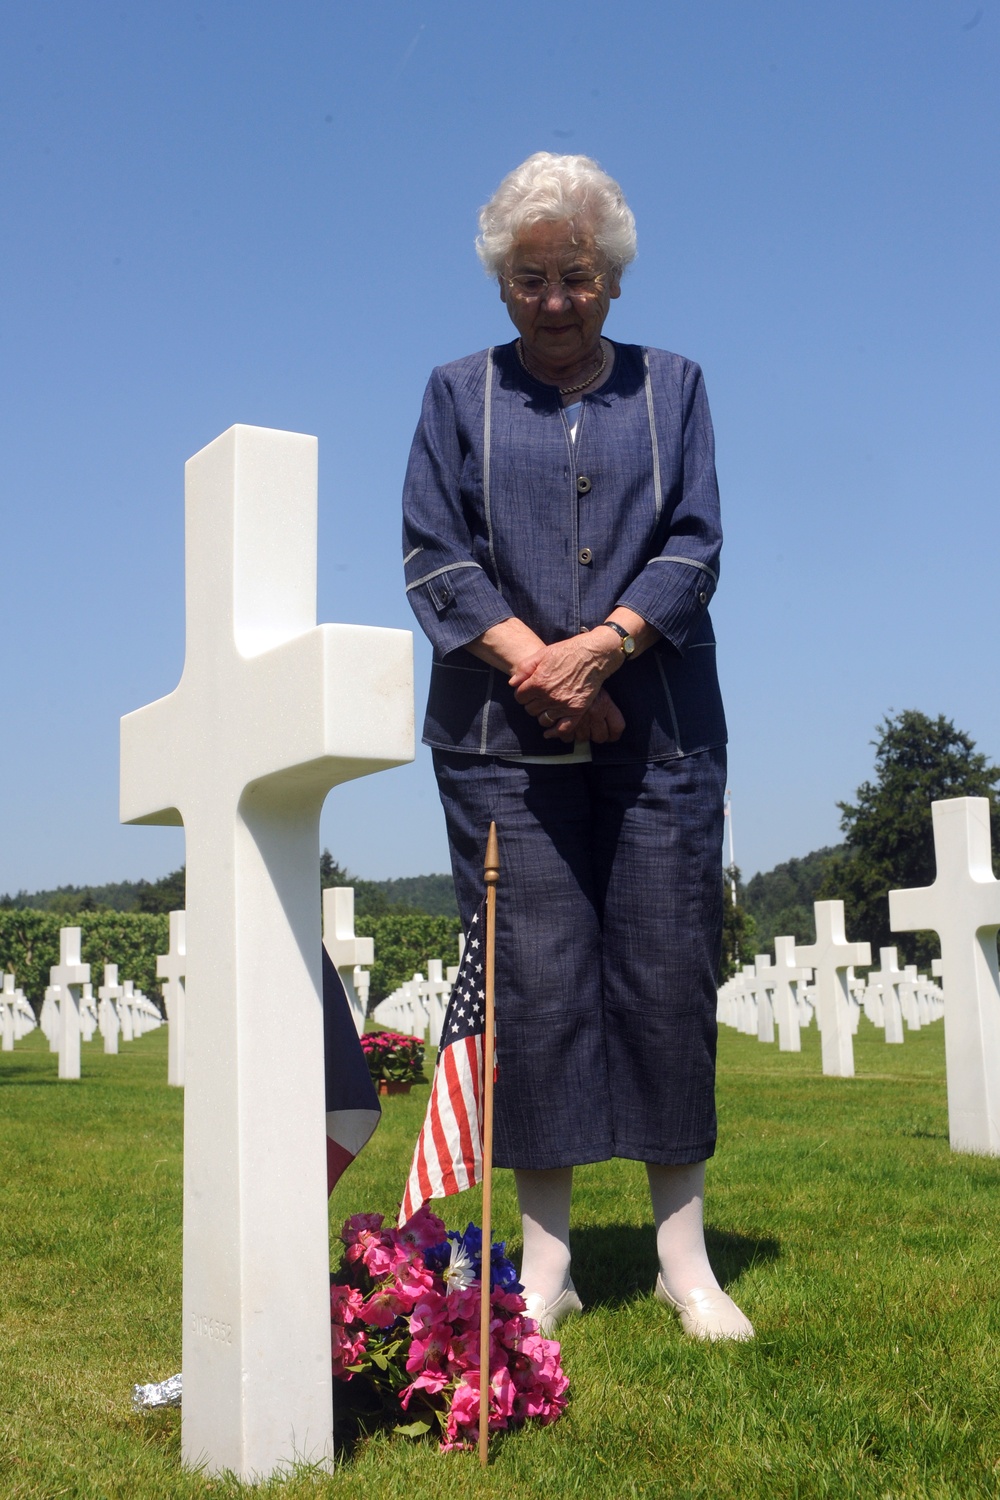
[{"x": 492, "y": 874}]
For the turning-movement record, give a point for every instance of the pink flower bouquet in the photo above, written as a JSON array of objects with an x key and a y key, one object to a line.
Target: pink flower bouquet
[
  {"x": 393, "y": 1057},
  {"x": 404, "y": 1307}
]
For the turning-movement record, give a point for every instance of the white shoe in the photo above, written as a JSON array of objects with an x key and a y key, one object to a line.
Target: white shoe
[
  {"x": 548, "y": 1316},
  {"x": 707, "y": 1313}
]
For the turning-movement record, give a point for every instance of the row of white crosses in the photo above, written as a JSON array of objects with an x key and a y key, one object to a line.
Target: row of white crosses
[
  {"x": 71, "y": 1013},
  {"x": 347, "y": 952},
  {"x": 417, "y": 1007},
  {"x": 963, "y": 908},
  {"x": 765, "y": 994},
  {"x": 16, "y": 1015}
]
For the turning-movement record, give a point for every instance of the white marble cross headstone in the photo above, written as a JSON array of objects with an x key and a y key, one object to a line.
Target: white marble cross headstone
[
  {"x": 831, "y": 956},
  {"x": 270, "y": 713},
  {"x": 109, "y": 995},
  {"x": 7, "y": 1008},
  {"x": 963, "y": 908},
  {"x": 438, "y": 991},
  {"x": 172, "y": 967},
  {"x": 24, "y": 1016},
  {"x": 908, "y": 997},
  {"x": 346, "y": 951},
  {"x": 784, "y": 978},
  {"x": 50, "y": 1021},
  {"x": 887, "y": 977},
  {"x": 67, "y": 977},
  {"x": 748, "y": 1001},
  {"x": 126, "y": 1012},
  {"x": 761, "y": 986},
  {"x": 88, "y": 1016}
]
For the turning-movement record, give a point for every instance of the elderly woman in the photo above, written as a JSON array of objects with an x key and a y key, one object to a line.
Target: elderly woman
[{"x": 561, "y": 539}]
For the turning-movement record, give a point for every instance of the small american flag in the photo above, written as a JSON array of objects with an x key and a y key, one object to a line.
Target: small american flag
[{"x": 449, "y": 1151}]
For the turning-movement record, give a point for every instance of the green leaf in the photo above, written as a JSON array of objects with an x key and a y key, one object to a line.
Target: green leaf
[{"x": 413, "y": 1429}]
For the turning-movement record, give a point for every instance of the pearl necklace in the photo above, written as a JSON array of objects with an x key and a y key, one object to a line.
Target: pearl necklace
[{"x": 568, "y": 390}]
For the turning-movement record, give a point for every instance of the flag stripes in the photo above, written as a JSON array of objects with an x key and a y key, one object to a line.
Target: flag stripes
[{"x": 449, "y": 1152}]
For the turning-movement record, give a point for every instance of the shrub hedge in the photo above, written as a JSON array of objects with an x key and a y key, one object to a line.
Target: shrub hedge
[
  {"x": 29, "y": 946},
  {"x": 404, "y": 943}
]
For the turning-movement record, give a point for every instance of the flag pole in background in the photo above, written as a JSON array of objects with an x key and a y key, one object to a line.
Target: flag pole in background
[{"x": 492, "y": 875}]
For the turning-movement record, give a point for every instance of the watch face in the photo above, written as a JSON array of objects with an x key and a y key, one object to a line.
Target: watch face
[{"x": 628, "y": 644}]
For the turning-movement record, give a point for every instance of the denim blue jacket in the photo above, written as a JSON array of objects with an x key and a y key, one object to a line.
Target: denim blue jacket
[{"x": 504, "y": 515}]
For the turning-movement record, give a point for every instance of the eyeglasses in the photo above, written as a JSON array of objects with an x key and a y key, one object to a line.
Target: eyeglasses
[{"x": 579, "y": 285}]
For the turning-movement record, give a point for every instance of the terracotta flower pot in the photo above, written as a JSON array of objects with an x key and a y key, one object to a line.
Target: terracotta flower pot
[{"x": 390, "y": 1086}]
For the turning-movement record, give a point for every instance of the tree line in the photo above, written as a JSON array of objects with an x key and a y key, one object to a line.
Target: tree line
[
  {"x": 888, "y": 845},
  {"x": 411, "y": 920}
]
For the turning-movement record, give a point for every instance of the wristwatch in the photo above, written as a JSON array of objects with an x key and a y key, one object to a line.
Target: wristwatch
[{"x": 628, "y": 641}]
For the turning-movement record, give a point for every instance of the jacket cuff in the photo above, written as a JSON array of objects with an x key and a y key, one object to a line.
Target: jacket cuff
[
  {"x": 455, "y": 604},
  {"x": 672, "y": 594}
]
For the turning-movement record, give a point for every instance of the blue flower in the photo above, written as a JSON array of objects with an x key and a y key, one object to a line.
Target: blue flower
[
  {"x": 502, "y": 1271},
  {"x": 471, "y": 1241},
  {"x": 436, "y": 1257},
  {"x": 468, "y": 1249}
]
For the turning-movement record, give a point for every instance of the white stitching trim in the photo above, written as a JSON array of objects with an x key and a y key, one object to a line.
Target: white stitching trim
[
  {"x": 690, "y": 562},
  {"x": 657, "y": 486},
  {"x": 484, "y": 737},
  {"x": 670, "y": 702},
  {"x": 448, "y": 568},
  {"x": 411, "y": 555},
  {"x": 487, "y": 441}
]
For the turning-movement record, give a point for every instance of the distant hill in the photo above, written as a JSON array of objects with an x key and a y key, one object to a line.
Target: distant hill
[
  {"x": 778, "y": 900},
  {"x": 781, "y": 900},
  {"x": 166, "y": 894},
  {"x": 433, "y": 895}
]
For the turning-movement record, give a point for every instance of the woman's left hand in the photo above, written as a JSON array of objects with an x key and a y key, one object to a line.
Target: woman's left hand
[{"x": 600, "y": 724}]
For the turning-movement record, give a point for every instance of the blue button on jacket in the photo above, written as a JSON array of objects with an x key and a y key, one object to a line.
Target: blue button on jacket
[{"x": 503, "y": 514}]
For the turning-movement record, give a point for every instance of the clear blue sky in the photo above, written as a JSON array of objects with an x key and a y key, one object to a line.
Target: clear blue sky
[{"x": 246, "y": 212}]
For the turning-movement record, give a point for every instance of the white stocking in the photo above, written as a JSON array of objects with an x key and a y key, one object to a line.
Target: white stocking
[
  {"x": 544, "y": 1199},
  {"x": 678, "y": 1195}
]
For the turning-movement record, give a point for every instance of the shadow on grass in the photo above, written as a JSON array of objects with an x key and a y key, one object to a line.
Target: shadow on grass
[
  {"x": 26, "y": 1075},
  {"x": 615, "y": 1263}
]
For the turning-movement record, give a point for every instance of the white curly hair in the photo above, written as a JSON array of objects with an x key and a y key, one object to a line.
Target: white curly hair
[{"x": 548, "y": 188}]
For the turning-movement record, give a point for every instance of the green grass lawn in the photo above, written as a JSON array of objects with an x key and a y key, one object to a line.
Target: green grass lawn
[{"x": 864, "y": 1251}]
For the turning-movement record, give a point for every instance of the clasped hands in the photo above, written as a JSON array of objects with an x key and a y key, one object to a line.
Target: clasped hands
[{"x": 562, "y": 686}]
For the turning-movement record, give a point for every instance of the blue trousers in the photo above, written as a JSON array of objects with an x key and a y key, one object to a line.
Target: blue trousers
[{"x": 609, "y": 928}]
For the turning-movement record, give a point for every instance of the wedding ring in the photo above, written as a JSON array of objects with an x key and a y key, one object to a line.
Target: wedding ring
[{"x": 546, "y": 717}]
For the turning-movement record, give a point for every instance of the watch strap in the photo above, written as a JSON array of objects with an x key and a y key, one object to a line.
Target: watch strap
[{"x": 626, "y": 637}]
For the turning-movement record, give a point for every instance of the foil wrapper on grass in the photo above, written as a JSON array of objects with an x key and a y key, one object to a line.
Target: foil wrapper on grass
[{"x": 160, "y": 1393}]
